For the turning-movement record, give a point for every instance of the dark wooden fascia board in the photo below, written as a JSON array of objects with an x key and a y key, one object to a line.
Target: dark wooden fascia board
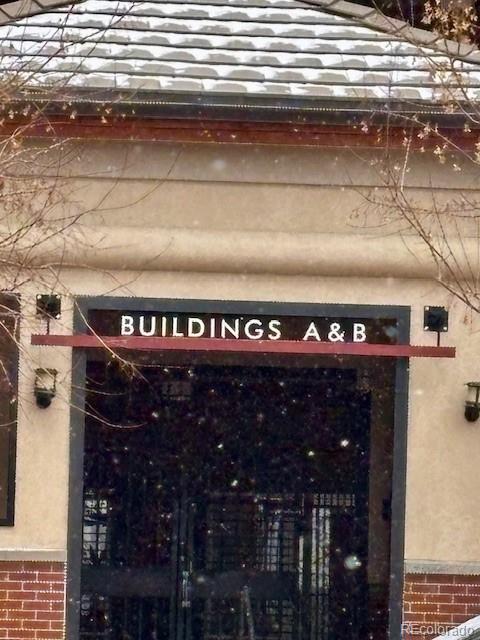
[{"x": 223, "y": 132}]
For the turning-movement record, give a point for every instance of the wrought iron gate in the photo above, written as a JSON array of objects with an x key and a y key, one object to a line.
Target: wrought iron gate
[{"x": 231, "y": 504}]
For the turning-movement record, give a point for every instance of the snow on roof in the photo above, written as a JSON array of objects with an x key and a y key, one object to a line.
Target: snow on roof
[{"x": 269, "y": 48}]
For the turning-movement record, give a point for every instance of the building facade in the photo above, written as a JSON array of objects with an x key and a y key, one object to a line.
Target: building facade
[{"x": 241, "y": 377}]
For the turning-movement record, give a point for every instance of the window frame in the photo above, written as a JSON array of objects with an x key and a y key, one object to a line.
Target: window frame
[{"x": 13, "y": 302}]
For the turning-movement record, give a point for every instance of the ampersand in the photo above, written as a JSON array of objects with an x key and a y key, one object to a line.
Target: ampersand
[{"x": 335, "y": 334}]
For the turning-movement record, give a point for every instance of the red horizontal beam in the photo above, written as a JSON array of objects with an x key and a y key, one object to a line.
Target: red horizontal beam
[
  {"x": 117, "y": 127},
  {"x": 155, "y": 343}
]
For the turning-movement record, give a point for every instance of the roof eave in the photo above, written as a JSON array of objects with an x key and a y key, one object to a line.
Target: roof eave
[{"x": 248, "y": 108}]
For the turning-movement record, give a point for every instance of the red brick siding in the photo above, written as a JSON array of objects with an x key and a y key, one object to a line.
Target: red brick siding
[
  {"x": 32, "y": 600},
  {"x": 433, "y": 602}
]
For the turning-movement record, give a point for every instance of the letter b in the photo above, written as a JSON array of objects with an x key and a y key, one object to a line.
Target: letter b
[
  {"x": 126, "y": 327},
  {"x": 359, "y": 332}
]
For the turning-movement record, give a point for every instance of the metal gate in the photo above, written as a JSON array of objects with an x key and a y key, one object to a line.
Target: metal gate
[{"x": 229, "y": 503}]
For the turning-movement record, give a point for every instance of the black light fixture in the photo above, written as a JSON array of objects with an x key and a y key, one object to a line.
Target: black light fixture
[
  {"x": 49, "y": 305},
  {"x": 472, "y": 405},
  {"x": 435, "y": 319},
  {"x": 45, "y": 387}
]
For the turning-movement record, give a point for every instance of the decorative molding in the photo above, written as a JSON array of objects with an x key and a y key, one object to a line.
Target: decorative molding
[
  {"x": 264, "y": 252},
  {"x": 433, "y": 566},
  {"x": 40, "y": 555}
]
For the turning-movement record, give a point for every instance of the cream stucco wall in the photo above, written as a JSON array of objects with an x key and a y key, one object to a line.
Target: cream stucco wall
[{"x": 306, "y": 196}]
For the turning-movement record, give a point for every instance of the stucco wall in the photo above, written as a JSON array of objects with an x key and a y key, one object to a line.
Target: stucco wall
[{"x": 256, "y": 189}]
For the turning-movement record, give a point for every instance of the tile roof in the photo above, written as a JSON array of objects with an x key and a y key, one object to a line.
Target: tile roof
[
  {"x": 19, "y": 8},
  {"x": 269, "y": 48}
]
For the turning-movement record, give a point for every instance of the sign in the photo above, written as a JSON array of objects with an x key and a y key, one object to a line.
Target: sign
[{"x": 244, "y": 327}]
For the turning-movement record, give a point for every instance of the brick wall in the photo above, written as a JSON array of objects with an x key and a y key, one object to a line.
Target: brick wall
[
  {"x": 32, "y": 600},
  {"x": 434, "y": 602}
]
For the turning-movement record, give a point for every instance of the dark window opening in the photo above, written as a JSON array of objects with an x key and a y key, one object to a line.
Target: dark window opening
[{"x": 9, "y": 317}]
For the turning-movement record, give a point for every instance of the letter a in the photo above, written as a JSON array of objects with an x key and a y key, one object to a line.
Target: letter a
[{"x": 312, "y": 332}]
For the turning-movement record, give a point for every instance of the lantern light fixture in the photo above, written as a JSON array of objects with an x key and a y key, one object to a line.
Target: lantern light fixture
[
  {"x": 49, "y": 305},
  {"x": 435, "y": 319},
  {"x": 472, "y": 404},
  {"x": 45, "y": 387}
]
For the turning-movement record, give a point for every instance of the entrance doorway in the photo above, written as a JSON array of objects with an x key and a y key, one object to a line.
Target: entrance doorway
[{"x": 236, "y": 502}]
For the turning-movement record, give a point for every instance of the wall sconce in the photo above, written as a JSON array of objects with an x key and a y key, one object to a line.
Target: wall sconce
[
  {"x": 49, "y": 305},
  {"x": 435, "y": 319},
  {"x": 45, "y": 386},
  {"x": 472, "y": 405}
]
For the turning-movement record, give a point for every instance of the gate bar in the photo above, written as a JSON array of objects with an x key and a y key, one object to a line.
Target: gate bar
[{"x": 156, "y": 343}]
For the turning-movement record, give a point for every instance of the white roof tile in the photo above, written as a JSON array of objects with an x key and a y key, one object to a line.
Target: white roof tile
[{"x": 234, "y": 47}]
